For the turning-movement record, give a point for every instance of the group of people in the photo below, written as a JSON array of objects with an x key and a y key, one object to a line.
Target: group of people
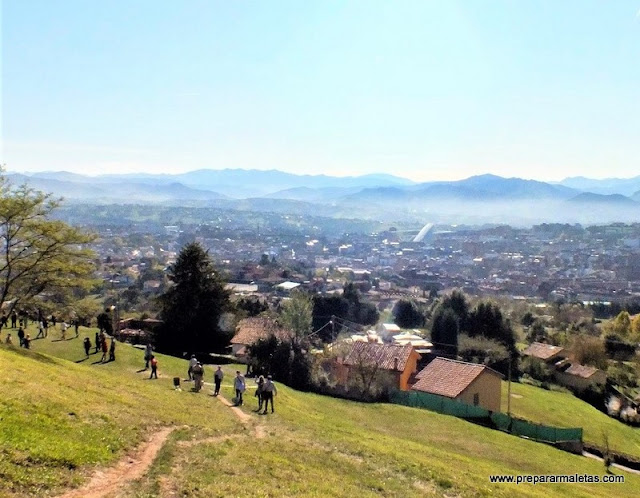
[
  {"x": 101, "y": 345},
  {"x": 25, "y": 339},
  {"x": 265, "y": 390}
]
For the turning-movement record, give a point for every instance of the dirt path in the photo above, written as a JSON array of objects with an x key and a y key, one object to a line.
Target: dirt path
[
  {"x": 131, "y": 467},
  {"x": 245, "y": 418},
  {"x": 614, "y": 465}
]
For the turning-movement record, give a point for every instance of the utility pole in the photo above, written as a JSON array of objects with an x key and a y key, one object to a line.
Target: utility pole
[{"x": 509, "y": 389}]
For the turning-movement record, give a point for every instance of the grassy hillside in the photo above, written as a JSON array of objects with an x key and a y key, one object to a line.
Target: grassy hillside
[
  {"x": 565, "y": 410},
  {"x": 59, "y": 419}
]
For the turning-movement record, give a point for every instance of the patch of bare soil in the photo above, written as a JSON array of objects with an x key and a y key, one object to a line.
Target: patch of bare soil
[{"x": 131, "y": 467}]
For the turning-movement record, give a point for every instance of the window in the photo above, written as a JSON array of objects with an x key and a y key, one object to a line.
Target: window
[{"x": 476, "y": 399}]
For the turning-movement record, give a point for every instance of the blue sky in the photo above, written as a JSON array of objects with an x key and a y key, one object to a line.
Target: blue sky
[{"x": 422, "y": 89}]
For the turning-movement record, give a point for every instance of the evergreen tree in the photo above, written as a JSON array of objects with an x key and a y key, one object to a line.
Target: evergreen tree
[
  {"x": 407, "y": 315},
  {"x": 445, "y": 330},
  {"x": 193, "y": 305}
]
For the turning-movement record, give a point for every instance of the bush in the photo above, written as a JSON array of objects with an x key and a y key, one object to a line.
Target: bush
[
  {"x": 589, "y": 351},
  {"x": 617, "y": 348},
  {"x": 287, "y": 361},
  {"x": 537, "y": 369},
  {"x": 484, "y": 351}
]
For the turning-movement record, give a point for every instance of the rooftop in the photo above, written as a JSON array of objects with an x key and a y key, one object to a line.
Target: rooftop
[
  {"x": 382, "y": 355},
  {"x": 542, "y": 351},
  {"x": 449, "y": 378}
]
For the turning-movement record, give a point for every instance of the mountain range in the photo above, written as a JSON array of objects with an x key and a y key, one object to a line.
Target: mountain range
[{"x": 478, "y": 199}]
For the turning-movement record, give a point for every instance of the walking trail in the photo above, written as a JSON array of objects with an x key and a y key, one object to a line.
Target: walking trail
[{"x": 134, "y": 465}]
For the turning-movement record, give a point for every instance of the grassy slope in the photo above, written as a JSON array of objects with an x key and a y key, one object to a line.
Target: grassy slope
[
  {"x": 314, "y": 445},
  {"x": 57, "y": 416},
  {"x": 565, "y": 410}
]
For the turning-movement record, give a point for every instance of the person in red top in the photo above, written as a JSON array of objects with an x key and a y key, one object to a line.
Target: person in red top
[{"x": 154, "y": 367}]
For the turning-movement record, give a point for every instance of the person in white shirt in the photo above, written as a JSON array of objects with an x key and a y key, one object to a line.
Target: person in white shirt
[
  {"x": 192, "y": 363},
  {"x": 240, "y": 386},
  {"x": 268, "y": 392}
]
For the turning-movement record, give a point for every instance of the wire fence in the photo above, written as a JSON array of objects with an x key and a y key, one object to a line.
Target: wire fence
[{"x": 501, "y": 421}]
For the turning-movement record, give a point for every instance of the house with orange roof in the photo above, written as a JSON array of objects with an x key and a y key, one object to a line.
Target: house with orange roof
[
  {"x": 469, "y": 383},
  {"x": 395, "y": 363}
]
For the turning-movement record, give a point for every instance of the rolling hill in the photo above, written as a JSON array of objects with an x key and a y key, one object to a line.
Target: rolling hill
[{"x": 63, "y": 416}]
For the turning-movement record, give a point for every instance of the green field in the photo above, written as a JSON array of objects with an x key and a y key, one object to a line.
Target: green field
[
  {"x": 60, "y": 420},
  {"x": 563, "y": 409}
]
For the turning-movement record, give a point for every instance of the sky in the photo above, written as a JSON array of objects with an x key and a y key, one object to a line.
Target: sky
[{"x": 427, "y": 90}]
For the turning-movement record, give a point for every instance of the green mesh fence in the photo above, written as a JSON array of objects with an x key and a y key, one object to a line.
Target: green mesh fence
[{"x": 502, "y": 421}]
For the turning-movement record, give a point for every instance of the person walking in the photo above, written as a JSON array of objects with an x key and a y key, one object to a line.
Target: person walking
[
  {"x": 97, "y": 339},
  {"x": 268, "y": 392},
  {"x": 240, "y": 387},
  {"x": 105, "y": 349},
  {"x": 63, "y": 330},
  {"x": 87, "y": 345},
  {"x": 14, "y": 319},
  {"x": 112, "y": 350},
  {"x": 259, "y": 392},
  {"x": 154, "y": 367},
  {"x": 76, "y": 325},
  {"x": 45, "y": 326},
  {"x": 27, "y": 342},
  {"x": 198, "y": 373},
  {"x": 217, "y": 379},
  {"x": 40, "y": 330},
  {"x": 21, "y": 336},
  {"x": 192, "y": 363},
  {"x": 148, "y": 354}
]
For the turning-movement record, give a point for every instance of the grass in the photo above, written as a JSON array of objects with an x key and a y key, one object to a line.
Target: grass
[
  {"x": 58, "y": 418},
  {"x": 563, "y": 409},
  {"x": 313, "y": 445}
]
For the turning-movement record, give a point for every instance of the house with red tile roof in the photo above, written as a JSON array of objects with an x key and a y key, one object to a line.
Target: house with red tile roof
[
  {"x": 579, "y": 377},
  {"x": 545, "y": 352},
  {"x": 251, "y": 330},
  {"x": 467, "y": 382},
  {"x": 396, "y": 363}
]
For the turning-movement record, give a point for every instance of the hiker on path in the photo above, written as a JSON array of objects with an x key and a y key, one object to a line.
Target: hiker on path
[
  {"x": 112, "y": 350},
  {"x": 269, "y": 391},
  {"x": 97, "y": 342},
  {"x": 21, "y": 336},
  {"x": 63, "y": 329},
  {"x": 240, "y": 386},
  {"x": 154, "y": 367},
  {"x": 148, "y": 354},
  {"x": 9, "y": 341},
  {"x": 27, "y": 342},
  {"x": 87, "y": 345},
  {"x": 259, "y": 392},
  {"x": 40, "y": 331},
  {"x": 14, "y": 319},
  {"x": 105, "y": 349},
  {"x": 198, "y": 373},
  {"x": 192, "y": 363},
  {"x": 217, "y": 379}
]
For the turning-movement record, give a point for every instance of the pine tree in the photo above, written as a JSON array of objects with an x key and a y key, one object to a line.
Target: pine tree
[{"x": 193, "y": 305}]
